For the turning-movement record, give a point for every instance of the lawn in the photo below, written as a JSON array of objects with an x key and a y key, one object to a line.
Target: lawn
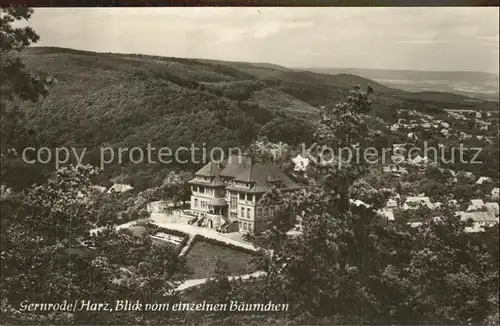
[{"x": 202, "y": 258}]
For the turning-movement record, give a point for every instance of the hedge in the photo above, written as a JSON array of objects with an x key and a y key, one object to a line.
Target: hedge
[
  {"x": 184, "y": 236},
  {"x": 200, "y": 237}
]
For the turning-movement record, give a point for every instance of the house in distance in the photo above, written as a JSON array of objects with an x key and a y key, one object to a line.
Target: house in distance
[{"x": 228, "y": 195}]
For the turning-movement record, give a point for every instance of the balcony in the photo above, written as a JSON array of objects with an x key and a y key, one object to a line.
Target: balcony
[{"x": 213, "y": 215}]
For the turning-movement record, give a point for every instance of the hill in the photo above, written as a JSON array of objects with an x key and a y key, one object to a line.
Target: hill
[
  {"x": 129, "y": 100},
  {"x": 481, "y": 85}
]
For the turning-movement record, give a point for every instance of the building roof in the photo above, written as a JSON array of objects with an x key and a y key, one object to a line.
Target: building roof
[
  {"x": 475, "y": 204},
  {"x": 211, "y": 169},
  {"x": 358, "y": 203},
  {"x": 262, "y": 176},
  {"x": 421, "y": 160},
  {"x": 214, "y": 182},
  {"x": 218, "y": 202},
  {"x": 246, "y": 175},
  {"x": 120, "y": 188},
  {"x": 235, "y": 164},
  {"x": 419, "y": 200},
  {"x": 229, "y": 168},
  {"x": 492, "y": 207},
  {"x": 395, "y": 169},
  {"x": 478, "y": 216},
  {"x": 482, "y": 180},
  {"x": 241, "y": 168},
  {"x": 98, "y": 188},
  {"x": 391, "y": 202},
  {"x": 387, "y": 213}
]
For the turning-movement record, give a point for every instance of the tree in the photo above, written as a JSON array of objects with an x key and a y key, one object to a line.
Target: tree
[
  {"x": 286, "y": 129},
  {"x": 47, "y": 256},
  {"x": 350, "y": 266},
  {"x": 319, "y": 272},
  {"x": 441, "y": 273},
  {"x": 17, "y": 84},
  {"x": 342, "y": 133}
]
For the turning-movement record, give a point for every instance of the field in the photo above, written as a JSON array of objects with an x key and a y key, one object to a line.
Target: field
[{"x": 203, "y": 256}]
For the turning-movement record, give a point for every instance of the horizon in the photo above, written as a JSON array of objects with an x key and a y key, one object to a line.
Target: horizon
[
  {"x": 437, "y": 39},
  {"x": 272, "y": 63}
]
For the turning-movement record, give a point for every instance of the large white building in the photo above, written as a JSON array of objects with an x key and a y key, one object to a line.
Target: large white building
[{"x": 229, "y": 196}]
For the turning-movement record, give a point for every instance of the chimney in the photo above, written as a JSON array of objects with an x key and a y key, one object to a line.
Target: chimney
[{"x": 247, "y": 158}]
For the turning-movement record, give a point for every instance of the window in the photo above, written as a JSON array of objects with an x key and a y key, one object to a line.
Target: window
[
  {"x": 244, "y": 226},
  {"x": 250, "y": 197},
  {"x": 234, "y": 201},
  {"x": 265, "y": 212},
  {"x": 242, "y": 212},
  {"x": 196, "y": 203},
  {"x": 248, "y": 212},
  {"x": 240, "y": 224},
  {"x": 272, "y": 178},
  {"x": 242, "y": 196},
  {"x": 259, "y": 212},
  {"x": 249, "y": 227}
]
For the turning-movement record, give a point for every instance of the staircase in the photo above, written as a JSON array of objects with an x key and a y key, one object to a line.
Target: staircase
[
  {"x": 192, "y": 221},
  {"x": 229, "y": 227},
  {"x": 201, "y": 221}
]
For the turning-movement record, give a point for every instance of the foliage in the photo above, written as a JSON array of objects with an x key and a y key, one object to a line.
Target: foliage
[
  {"x": 38, "y": 229},
  {"x": 350, "y": 266},
  {"x": 17, "y": 84},
  {"x": 288, "y": 130},
  {"x": 174, "y": 102}
]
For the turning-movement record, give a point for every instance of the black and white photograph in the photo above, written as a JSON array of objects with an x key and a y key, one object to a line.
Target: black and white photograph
[{"x": 249, "y": 166}]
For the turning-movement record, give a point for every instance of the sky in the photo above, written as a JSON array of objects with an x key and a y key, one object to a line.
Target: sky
[{"x": 442, "y": 39}]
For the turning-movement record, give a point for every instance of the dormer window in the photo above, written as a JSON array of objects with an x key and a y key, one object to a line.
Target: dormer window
[
  {"x": 241, "y": 184},
  {"x": 278, "y": 184},
  {"x": 274, "y": 181},
  {"x": 271, "y": 178}
]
